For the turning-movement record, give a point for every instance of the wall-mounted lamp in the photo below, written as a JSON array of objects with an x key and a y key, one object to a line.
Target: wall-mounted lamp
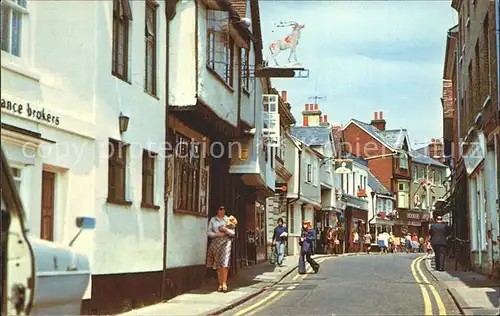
[{"x": 123, "y": 120}]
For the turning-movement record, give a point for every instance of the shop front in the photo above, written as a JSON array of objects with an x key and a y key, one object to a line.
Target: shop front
[
  {"x": 256, "y": 233},
  {"x": 474, "y": 158},
  {"x": 356, "y": 217}
]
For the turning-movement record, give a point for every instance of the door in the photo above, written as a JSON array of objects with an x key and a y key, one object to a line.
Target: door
[{"x": 48, "y": 197}]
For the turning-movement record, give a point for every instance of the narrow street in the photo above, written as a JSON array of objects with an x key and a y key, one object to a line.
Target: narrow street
[{"x": 356, "y": 285}]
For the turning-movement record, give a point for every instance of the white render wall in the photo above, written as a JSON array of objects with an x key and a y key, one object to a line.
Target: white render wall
[{"x": 75, "y": 83}]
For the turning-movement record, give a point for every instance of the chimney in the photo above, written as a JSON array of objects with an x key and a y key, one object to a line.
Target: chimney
[
  {"x": 283, "y": 96},
  {"x": 316, "y": 107},
  {"x": 378, "y": 121},
  {"x": 306, "y": 108},
  {"x": 306, "y": 121}
]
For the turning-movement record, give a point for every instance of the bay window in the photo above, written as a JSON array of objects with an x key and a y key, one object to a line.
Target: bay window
[{"x": 403, "y": 194}]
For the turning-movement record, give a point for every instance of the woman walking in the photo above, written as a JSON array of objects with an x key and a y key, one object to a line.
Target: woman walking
[
  {"x": 306, "y": 242},
  {"x": 221, "y": 231}
]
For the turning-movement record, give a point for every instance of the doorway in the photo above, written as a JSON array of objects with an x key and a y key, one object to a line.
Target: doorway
[{"x": 48, "y": 199}]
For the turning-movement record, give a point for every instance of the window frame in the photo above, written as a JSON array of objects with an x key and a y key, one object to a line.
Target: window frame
[
  {"x": 414, "y": 173},
  {"x": 188, "y": 167},
  {"x": 151, "y": 39},
  {"x": 122, "y": 16},
  {"x": 403, "y": 157},
  {"x": 148, "y": 175},
  {"x": 403, "y": 193},
  {"x": 245, "y": 69},
  {"x": 14, "y": 6},
  {"x": 213, "y": 49},
  {"x": 120, "y": 165}
]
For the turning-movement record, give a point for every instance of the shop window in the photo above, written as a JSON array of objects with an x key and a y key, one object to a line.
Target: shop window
[
  {"x": 117, "y": 169},
  {"x": 190, "y": 176},
  {"x": 260, "y": 225},
  {"x": 148, "y": 179},
  {"x": 403, "y": 194},
  {"x": 12, "y": 15},
  {"x": 122, "y": 15}
]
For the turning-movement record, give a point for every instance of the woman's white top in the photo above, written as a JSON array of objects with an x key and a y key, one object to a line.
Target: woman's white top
[{"x": 214, "y": 225}]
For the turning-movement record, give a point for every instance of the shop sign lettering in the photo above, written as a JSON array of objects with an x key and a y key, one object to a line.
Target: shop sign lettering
[
  {"x": 26, "y": 110},
  {"x": 414, "y": 216}
]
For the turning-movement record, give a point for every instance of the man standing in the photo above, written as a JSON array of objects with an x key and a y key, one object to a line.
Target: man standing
[
  {"x": 439, "y": 233},
  {"x": 280, "y": 237}
]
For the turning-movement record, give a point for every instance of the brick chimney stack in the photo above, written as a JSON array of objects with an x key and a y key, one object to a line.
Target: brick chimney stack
[
  {"x": 311, "y": 115},
  {"x": 436, "y": 150},
  {"x": 378, "y": 121},
  {"x": 284, "y": 96}
]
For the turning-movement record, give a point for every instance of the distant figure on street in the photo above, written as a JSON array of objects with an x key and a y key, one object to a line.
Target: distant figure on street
[
  {"x": 368, "y": 242},
  {"x": 280, "y": 236},
  {"x": 330, "y": 240},
  {"x": 306, "y": 244},
  {"x": 439, "y": 233},
  {"x": 414, "y": 242},
  {"x": 383, "y": 241}
]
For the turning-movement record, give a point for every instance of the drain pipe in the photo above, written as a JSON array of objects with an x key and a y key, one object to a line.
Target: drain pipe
[
  {"x": 497, "y": 31},
  {"x": 291, "y": 201}
]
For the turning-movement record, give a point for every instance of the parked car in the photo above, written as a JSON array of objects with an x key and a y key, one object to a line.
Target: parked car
[{"x": 39, "y": 277}]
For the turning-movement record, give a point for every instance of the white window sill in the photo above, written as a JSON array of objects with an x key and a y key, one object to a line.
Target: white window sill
[{"x": 18, "y": 66}]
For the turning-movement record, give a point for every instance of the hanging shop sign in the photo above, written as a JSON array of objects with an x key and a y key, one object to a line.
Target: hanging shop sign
[
  {"x": 343, "y": 166},
  {"x": 413, "y": 216},
  {"x": 476, "y": 152}
]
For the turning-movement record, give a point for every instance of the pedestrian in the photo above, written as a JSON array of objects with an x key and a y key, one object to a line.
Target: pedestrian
[
  {"x": 330, "y": 240},
  {"x": 421, "y": 244},
  {"x": 280, "y": 236},
  {"x": 219, "y": 251},
  {"x": 414, "y": 243},
  {"x": 439, "y": 233},
  {"x": 368, "y": 242},
  {"x": 306, "y": 244},
  {"x": 383, "y": 241},
  {"x": 408, "y": 242}
]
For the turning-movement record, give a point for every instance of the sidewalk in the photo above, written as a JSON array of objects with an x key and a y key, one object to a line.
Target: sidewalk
[
  {"x": 249, "y": 283},
  {"x": 475, "y": 294}
]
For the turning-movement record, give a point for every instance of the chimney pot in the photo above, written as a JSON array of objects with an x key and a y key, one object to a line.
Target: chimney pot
[
  {"x": 375, "y": 115},
  {"x": 325, "y": 118},
  {"x": 381, "y": 115},
  {"x": 306, "y": 107},
  {"x": 316, "y": 107},
  {"x": 284, "y": 95},
  {"x": 305, "y": 121}
]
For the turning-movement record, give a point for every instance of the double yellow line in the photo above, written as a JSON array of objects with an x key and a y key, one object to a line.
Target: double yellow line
[
  {"x": 277, "y": 294},
  {"x": 424, "y": 284}
]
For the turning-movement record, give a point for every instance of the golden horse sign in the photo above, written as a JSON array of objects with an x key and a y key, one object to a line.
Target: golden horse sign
[{"x": 288, "y": 42}]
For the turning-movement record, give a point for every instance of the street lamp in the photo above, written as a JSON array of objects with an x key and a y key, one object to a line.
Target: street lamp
[{"x": 123, "y": 121}]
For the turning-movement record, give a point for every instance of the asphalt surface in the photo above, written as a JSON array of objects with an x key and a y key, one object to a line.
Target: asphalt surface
[{"x": 357, "y": 285}]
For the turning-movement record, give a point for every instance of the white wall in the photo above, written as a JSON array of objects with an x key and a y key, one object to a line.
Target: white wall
[
  {"x": 75, "y": 83},
  {"x": 182, "y": 65}
]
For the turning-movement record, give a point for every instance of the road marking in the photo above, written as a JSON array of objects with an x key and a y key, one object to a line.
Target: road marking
[
  {"x": 425, "y": 294},
  {"x": 275, "y": 295},
  {"x": 437, "y": 297}
]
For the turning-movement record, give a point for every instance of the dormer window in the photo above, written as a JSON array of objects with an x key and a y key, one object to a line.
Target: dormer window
[{"x": 403, "y": 161}]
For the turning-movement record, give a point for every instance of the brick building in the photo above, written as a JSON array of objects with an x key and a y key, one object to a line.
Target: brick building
[
  {"x": 387, "y": 153},
  {"x": 471, "y": 66}
]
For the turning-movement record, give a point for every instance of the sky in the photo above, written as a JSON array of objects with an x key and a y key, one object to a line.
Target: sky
[{"x": 367, "y": 56}]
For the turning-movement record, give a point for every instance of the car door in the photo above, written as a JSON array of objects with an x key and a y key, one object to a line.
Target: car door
[{"x": 18, "y": 267}]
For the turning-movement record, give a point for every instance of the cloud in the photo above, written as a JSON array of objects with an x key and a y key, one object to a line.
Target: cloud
[{"x": 368, "y": 56}]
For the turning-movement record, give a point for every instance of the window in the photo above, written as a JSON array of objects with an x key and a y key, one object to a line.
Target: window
[
  {"x": 117, "y": 160},
  {"x": 353, "y": 182},
  {"x": 432, "y": 176},
  {"x": 148, "y": 179},
  {"x": 438, "y": 177},
  {"x": 12, "y": 14},
  {"x": 271, "y": 127},
  {"x": 245, "y": 69},
  {"x": 403, "y": 161},
  {"x": 122, "y": 15},
  {"x": 403, "y": 194},
  {"x": 191, "y": 177},
  {"x": 220, "y": 47},
  {"x": 272, "y": 156},
  {"x": 361, "y": 184},
  {"x": 150, "y": 31},
  {"x": 309, "y": 171},
  {"x": 421, "y": 172},
  {"x": 347, "y": 183},
  {"x": 315, "y": 171},
  {"x": 415, "y": 173},
  {"x": 364, "y": 186}
]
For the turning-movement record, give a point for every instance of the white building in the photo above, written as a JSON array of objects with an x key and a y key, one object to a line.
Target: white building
[
  {"x": 381, "y": 209},
  {"x": 62, "y": 97}
]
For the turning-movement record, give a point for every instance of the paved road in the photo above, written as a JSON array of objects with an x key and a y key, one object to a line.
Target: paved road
[{"x": 357, "y": 285}]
